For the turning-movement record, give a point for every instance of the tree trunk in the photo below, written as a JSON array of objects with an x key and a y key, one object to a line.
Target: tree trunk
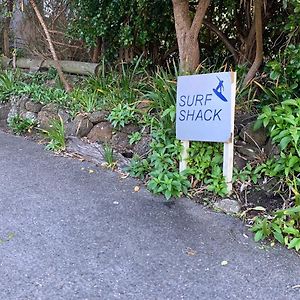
[
  {"x": 6, "y": 27},
  {"x": 66, "y": 84},
  {"x": 259, "y": 42},
  {"x": 187, "y": 32},
  {"x": 97, "y": 50}
]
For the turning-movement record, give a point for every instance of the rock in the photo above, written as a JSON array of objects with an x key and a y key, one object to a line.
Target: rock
[
  {"x": 4, "y": 111},
  {"x": 142, "y": 147},
  {"x": 101, "y": 132},
  {"x": 81, "y": 125},
  {"x": 271, "y": 150},
  {"x": 229, "y": 206},
  {"x": 33, "y": 106},
  {"x": 94, "y": 152},
  {"x": 69, "y": 127},
  {"x": 45, "y": 118},
  {"x": 239, "y": 162},
  {"x": 50, "y": 107},
  {"x": 120, "y": 142},
  {"x": 144, "y": 105},
  {"x": 130, "y": 128},
  {"x": 256, "y": 138},
  {"x": 64, "y": 115},
  {"x": 22, "y": 102},
  {"x": 249, "y": 151},
  {"x": 98, "y": 116},
  {"x": 17, "y": 106},
  {"x": 30, "y": 115},
  {"x": 242, "y": 119},
  {"x": 13, "y": 112}
]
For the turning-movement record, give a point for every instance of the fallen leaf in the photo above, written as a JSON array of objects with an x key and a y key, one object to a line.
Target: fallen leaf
[
  {"x": 190, "y": 252},
  {"x": 137, "y": 188},
  {"x": 296, "y": 286},
  {"x": 91, "y": 171}
]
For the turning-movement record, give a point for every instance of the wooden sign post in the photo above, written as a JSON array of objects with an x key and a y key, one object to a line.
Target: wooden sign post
[{"x": 205, "y": 112}]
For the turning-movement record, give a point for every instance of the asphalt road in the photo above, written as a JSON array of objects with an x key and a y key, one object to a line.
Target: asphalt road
[{"x": 70, "y": 233}]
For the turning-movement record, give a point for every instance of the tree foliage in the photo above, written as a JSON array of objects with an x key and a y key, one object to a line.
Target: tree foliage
[{"x": 138, "y": 26}]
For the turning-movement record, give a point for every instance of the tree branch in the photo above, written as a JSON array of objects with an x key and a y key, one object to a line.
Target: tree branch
[
  {"x": 66, "y": 84},
  {"x": 223, "y": 38},
  {"x": 199, "y": 16},
  {"x": 259, "y": 42}
]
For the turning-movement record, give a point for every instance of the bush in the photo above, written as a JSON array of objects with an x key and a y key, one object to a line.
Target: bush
[{"x": 20, "y": 125}]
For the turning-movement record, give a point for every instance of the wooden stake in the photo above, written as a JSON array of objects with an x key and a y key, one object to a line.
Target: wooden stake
[
  {"x": 228, "y": 165},
  {"x": 229, "y": 145},
  {"x": 184, "y": 156}
]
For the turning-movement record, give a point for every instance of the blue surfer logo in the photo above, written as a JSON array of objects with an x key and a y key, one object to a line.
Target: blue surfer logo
[{"x": 218, "y": 90}]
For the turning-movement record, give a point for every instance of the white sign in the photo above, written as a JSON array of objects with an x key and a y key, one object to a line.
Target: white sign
[
  {"x": 205, "y": 107},
  {"x": 205, "y": 112}
]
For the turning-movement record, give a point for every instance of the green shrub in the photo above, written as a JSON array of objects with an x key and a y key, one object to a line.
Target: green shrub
[
  {"x": 122, "y": 115},
  {"x": 283, "y": 226},
  {"x": 283, "y": 123},
  {"x": 9, "y": 84},
  {"x": 20, "y": 125},
  {"x": 205, "y": 165},
  {"x": 109, "y": 156},
  {"x": 83, "y": 101},
  {"x": 56, "y": 136},
  {"x": 134, "y": 137},
  {"x": 284, "y": 75}
]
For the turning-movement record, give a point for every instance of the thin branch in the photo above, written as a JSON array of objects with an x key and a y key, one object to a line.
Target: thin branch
[
  {"x": 259, "y": 43},
  {"x": 199, "y": 16},
  {"x": 223, "y": 38},
  {"x": 66, "y": 84}
]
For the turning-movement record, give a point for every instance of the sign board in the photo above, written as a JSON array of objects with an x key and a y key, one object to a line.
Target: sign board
[
  {"x": 205, "y": 107},
  {"x": 205, "y": 112}
]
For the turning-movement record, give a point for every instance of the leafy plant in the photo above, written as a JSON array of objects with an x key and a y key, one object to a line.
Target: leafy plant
[
  {"x": 120, "y": 85},
  {"x": 109, "y": 156},
  {"x": 138, "y": 167},
  {"x": 56, "y": 136},
  {"x": 284, "y": 227},
  {"x": 205, "y": 166},
  {"x": 283, "y": 123},
  {"x": 170, "y": 184},
  {"x": 162, "y": 96},
  {"x": 122, "y": 115},
  {"x": 20, "y": 125},
  {"x": 83, "y": 101},
  {"x": 284, "y": 75},
  {"x": 9, "y": 84},
  {"x": 134, "y": 137}
]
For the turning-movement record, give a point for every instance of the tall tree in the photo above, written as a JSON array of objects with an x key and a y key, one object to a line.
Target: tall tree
[{"x": 187, "y": 32}]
